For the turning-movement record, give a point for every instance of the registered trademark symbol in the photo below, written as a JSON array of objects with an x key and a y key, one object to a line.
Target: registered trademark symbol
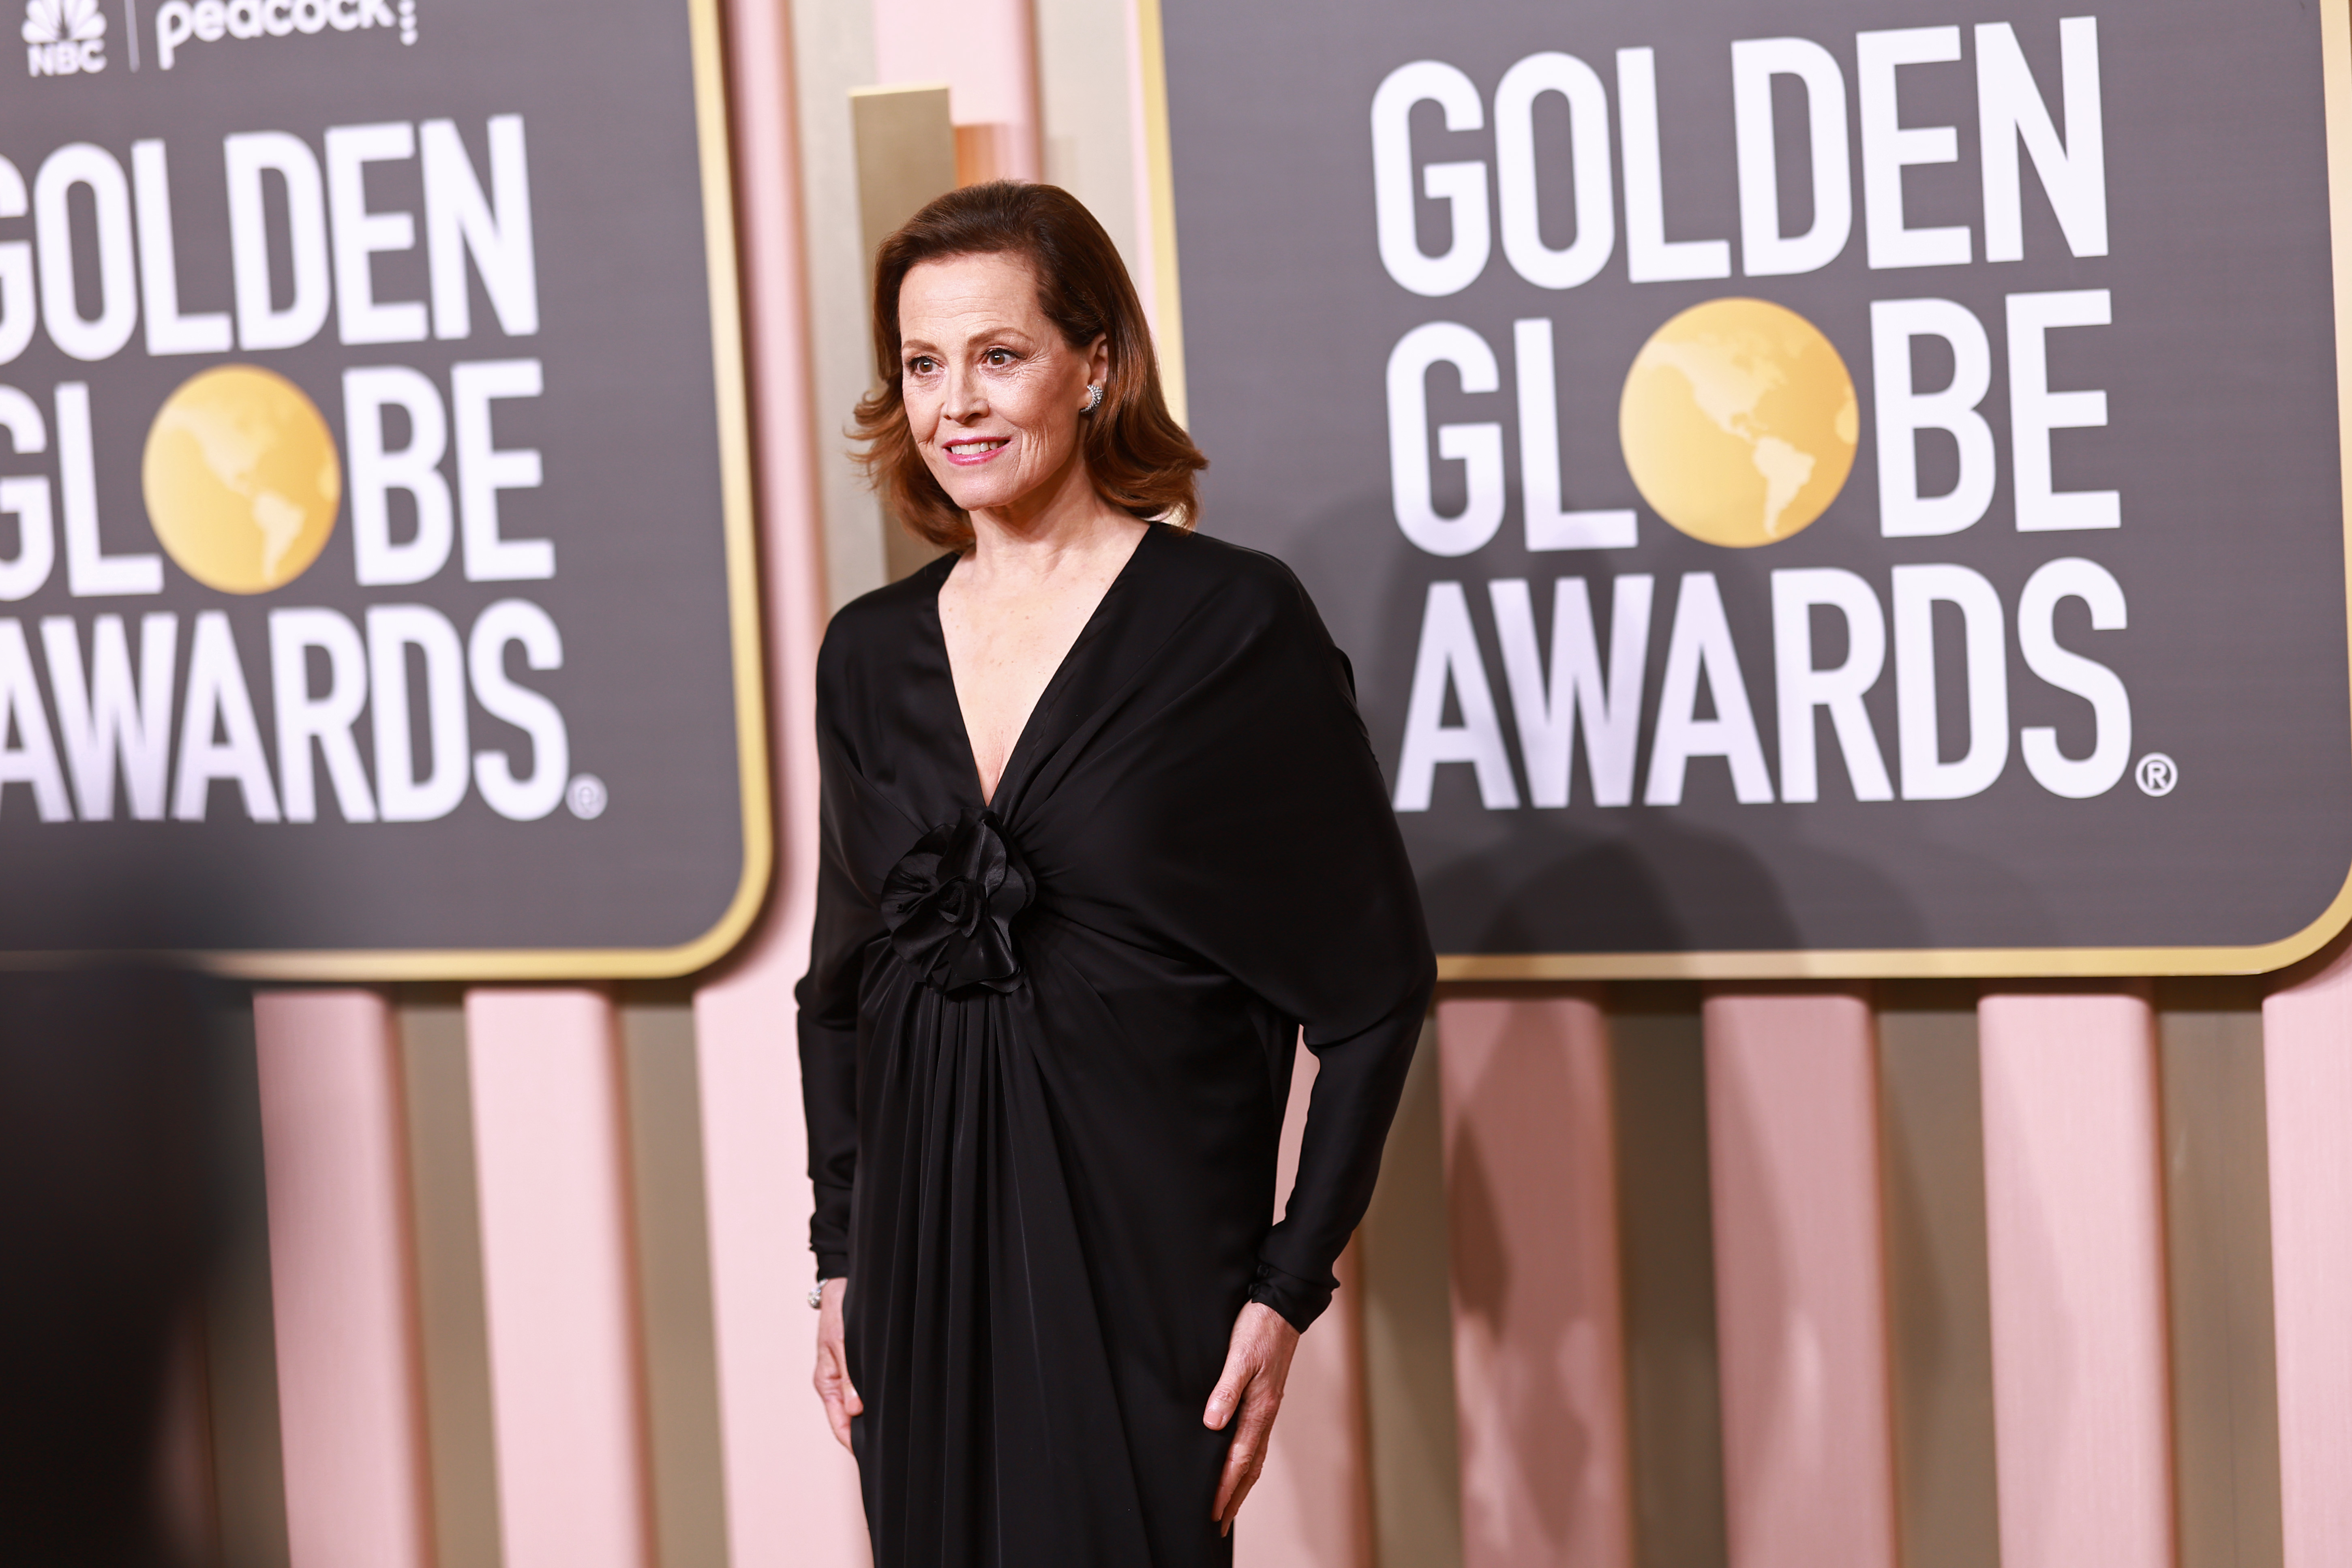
[
  {"x": 2156, "y": 775},
  {"x": 587, "y": 797}
]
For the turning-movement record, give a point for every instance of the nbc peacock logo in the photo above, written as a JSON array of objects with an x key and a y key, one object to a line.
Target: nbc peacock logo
[{"x": 64, "y": 37}]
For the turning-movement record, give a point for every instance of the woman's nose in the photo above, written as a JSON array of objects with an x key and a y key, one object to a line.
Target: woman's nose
[{"x": 963, "y": 403}]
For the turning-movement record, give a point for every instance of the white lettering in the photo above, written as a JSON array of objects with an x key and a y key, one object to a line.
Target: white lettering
[
  {"x": 259, "y": 324},
  {"x": 217, "y": 699},
  {"x": 1803, "y": 686},
  {"x": 375, "y": 472},
  {"x": 1764, "y": 250},
  {"x": 496, "y": 232},
  {"x": 90, "y": 572},
  {"x": 86, "y": 337},
  {"x": 1549, "y": 527},
  {"x": 2009, "y": 109},
  {"x": 168, "y": 331},
  {"x": 518, "y": 621},
  {"x": 1461, "y": 186},
  {"x": 19, "y": 306},
  {"x": 392, "y": 630},
  {"x": 1925, "y": 775},
  {"x": 484, "y": 470},
  {"x": 103, "y": 717},
  {"x": 1700, "y": 645},
  {"x": 2034, "y": 411},
  {"x": 1547, "y": 710},
  {"x": 33, "y": 759},
  {"x": 175, "y": 24},
  {"x": 1478, "y": 447},
  {"x": 1449, "y": 657},
  {"x": 1650, "y": 257},
  {"x": 1902, "y": 413},
  {"x": 325, "y": 718},
  {"x": 27, "y": 499},
  {"x": 1887, "y": 148},
  {"x": 360, "y": 234},
  {"x": 1514, "y": 170},
  {"x": 2095, "y": 683}
]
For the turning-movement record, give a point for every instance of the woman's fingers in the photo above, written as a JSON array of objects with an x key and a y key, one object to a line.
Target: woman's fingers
[
  {"x": 1257, "y": 1365},
  {"x": 832, "y": 1379},
  {"x": 834, "y": 1387},
  {"x": 1246, "y": 1457},
  {"x": 1240, "y": 1368}
]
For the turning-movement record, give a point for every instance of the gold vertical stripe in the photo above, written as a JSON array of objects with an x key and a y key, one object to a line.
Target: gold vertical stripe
[{"x": 1168, "y": 302}]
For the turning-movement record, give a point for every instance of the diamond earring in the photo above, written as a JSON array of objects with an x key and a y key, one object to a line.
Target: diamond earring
[{"x": 1093, "y": 398}]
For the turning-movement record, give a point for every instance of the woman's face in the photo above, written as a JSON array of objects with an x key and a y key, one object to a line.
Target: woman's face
[{"x": 994, "y": 395}]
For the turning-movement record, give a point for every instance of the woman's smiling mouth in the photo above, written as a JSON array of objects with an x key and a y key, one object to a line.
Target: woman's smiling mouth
[{"x": 975, "y": 452}]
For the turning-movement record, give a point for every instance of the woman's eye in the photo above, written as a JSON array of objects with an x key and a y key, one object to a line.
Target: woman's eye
[
  {"x": 919, "y": 366},
  {"x": 999, "y": 356}
]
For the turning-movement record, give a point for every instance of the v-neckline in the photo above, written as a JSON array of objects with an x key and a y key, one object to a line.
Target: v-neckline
[{"x": 1053, "y": 682}]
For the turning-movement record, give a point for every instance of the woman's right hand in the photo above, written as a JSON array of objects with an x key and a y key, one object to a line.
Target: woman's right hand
[{"x": 833, "y": 1384}]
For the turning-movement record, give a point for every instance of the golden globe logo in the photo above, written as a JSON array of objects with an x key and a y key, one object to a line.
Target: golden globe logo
[
  {"x": 64, "y": 37},
  {"x": 243, "y": 482},
  {"x": 1738, "y": 423}
]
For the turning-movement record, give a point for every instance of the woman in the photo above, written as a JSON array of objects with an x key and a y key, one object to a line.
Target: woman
[{"x": 1102, "y": 832}]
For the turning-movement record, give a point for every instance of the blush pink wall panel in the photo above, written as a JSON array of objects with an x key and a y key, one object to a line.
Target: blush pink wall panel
[
  {"x": 2074, "y": 1237},
  {"x": 1800, "y": 1281},
  {"x": 1539, "y": 1335},
  {"x": 2307, "y": 1064},
  {"x": 341, "y": 1286},
  {"x": 1312, "y": 1507},
  {"x": 985, "y": 50},
  {"x": 566, "y": 1387},
  {"x": 792, "y": 1492}
]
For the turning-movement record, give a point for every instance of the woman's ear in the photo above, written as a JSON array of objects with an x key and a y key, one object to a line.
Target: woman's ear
[{"x": 1098, "y": 362}]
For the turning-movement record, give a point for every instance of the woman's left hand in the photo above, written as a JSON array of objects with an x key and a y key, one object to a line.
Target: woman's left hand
[{"x": 1258, "y": 1363}]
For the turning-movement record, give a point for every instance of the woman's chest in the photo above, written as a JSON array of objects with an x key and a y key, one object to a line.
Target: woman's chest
[{"x": 1003, "y": 651}]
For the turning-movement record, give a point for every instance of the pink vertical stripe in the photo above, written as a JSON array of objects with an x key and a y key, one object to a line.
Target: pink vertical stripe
[
  {"x": 1799, "y": 1282},
  {"x": 1312, "y": 1507},
  {"x": 341, "y": 1286},
  {"x": 2307, "y": 1060},
  {"x": 566, "y": 1400},
  {"x": 985, "y": 50},
  {"x": 2074, "y": 1234},
  {"x": 792, "y": 1492},
  {"x": 1539, "y": 1334}
]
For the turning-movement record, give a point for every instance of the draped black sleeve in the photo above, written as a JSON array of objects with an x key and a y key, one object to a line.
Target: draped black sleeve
[
  {"x": 1046, "y": 1042},
  {"x": 847, "y": 923}
]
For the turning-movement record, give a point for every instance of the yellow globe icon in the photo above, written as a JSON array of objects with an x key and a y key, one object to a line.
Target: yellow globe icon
[
  {"x": 1739, "y": 422},
  {"x": 241, "y": 478}
]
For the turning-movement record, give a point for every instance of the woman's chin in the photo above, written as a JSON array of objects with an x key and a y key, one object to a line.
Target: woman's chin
[{"x": 973, "y": 495}]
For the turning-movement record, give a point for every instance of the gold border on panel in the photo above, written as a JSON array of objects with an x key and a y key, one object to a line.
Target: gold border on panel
[{"x": 1867, "y": 964}]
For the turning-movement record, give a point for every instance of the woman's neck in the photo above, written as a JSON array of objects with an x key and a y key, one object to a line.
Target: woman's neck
[{"x": 1061, "y": 522}]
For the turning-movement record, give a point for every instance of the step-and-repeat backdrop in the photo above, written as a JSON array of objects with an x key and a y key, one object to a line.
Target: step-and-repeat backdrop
[
  {"x": 1792, "y": 489},
  {"x": 376, "y": 585}
]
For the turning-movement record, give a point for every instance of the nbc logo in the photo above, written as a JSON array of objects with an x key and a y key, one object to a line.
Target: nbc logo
[{"x": 64, "y": 37}]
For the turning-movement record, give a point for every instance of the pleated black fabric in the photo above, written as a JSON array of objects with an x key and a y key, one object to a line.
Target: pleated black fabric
[{"x": 1046, "y": 1043}]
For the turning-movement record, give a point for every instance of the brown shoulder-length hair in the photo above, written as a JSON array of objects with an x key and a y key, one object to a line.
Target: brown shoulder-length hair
[{"x": 1139, "y": 457}]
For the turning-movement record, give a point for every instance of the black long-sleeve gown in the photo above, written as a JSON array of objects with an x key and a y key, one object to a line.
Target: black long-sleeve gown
[{"x": 1046, "y": 1046}]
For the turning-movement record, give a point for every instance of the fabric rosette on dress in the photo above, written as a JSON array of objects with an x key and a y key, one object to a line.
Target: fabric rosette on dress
[{"x": 950, "y": 904}]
